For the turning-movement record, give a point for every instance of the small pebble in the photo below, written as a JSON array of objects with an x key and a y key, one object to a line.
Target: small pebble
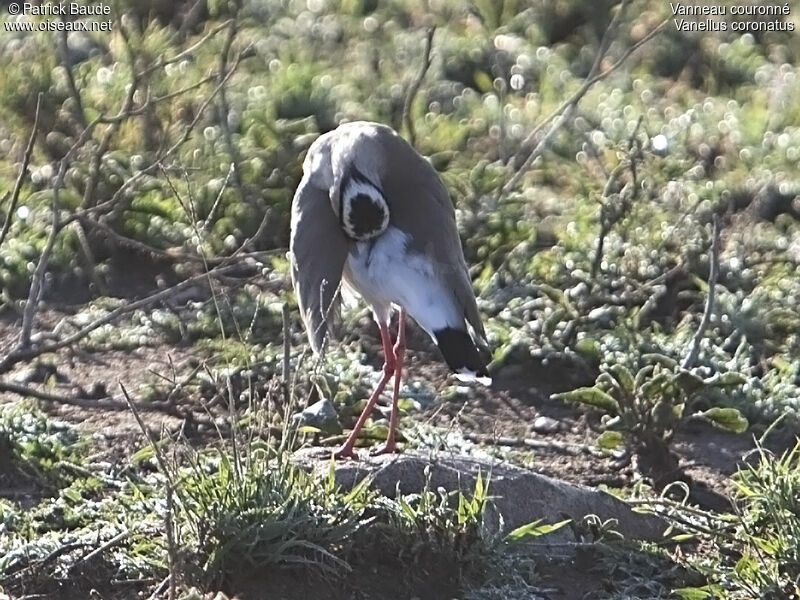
[{"x": 546, "y": 425}]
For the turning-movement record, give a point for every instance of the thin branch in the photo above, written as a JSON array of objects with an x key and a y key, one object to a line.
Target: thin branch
[
  {"x": 231, "y": 170},
  {"x": 113, "y": 124},
  {"x": 171, "y": 488},
  {"x": 180, "y": 92},
  {"x": 415, "y": 85},
  {"x": 26, "y": 160},
  {"x": 122, "y": 535},
  {"x": 29, "y": 392},
  {"x": 540, "y": 147},
  {"x": 34, "y": 294},
  {"x": 562, "y": 113},
  {"x": 35, "y": 291},
  {"x": 184, "y": 53},
  {"x": 563, "y": 447},
  {"x": 223, "y": 109},
  {"x": 613, "y": 213},
  {"x": 27, "y": 352},
  {"x": 162, "y": 462},
  {"x": 63, "y": 50},
  {"x": 713, "y": 275},
  {"x": 113, "y": 202}
]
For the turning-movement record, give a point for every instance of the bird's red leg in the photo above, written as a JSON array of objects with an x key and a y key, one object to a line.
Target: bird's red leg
[
  {"x": 399, "y": 359},
  {"x": 346, "y": 450}
]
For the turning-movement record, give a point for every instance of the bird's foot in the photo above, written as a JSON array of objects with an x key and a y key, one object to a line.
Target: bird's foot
[
  {"x": 345, "y": 451},
  {"x": 389, "y": 447}
]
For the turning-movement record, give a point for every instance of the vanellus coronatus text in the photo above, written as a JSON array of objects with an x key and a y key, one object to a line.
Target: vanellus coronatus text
[{"x": 373, "y": 215}]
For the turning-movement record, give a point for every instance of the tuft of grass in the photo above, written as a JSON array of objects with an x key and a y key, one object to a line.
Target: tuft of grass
[
  {"x": 437, "y": 526},
  {"x": 267, "y": 512},
  {"x": 755, "y": 551},
  {"x": 768, "y": 497}
]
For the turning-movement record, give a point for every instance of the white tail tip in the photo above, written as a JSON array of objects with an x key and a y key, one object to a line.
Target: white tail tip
[{"x": 469, "y": 376}]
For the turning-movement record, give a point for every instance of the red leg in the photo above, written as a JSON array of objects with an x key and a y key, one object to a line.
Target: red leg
[
  {"x": 346, "y": 450},
  {"x": 399, "y": 359}
]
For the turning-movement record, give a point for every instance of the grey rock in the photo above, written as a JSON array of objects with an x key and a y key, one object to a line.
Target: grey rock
[
  {"x": 546, "y": 425},
  {"x": 518, "y": 496},
  {"x": 321, "y": 415}
]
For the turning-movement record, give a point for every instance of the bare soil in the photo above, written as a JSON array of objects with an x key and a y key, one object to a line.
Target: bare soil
[{"x": 508, "y": 409}]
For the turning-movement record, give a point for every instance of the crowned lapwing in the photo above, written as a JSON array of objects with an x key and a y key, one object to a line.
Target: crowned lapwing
[{"x": 372, "y": 214}]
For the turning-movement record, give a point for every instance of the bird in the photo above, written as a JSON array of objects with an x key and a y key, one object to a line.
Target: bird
[{"x": 371, "y": 215}]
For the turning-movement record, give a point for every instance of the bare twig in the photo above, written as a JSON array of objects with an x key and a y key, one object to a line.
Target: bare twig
[
  {"x": 88, "y": 258},
  {"x": 612, "y": 213},
  {"x": 25, "y": 353},
  {"x": 563, "y": 447},
  {"x": 102, "y": 548},
  {"x": 63, "y": 50},
  {"x": 175, "y": 255},
  {"x": 26, "y": 160},
  {"x": 172, "y": 549},
  {"x": 35, "y": 292},
  {"x": 29, "y": 392},
  {"x": 560, "y": 115},
  {"x": 694, "y": 347},
  {"x": 540, "y": 147},
  {"x": 223, "y": 109},
  {"x": 415, "y": 85},
  {"x": 163, "y": 62},
  {"x": 113, "y": 124},
  {"x": 231, "y": 170},
  {"x": 161, "y": 587},
  {"x": 178, "y": 386},
  {"x": 160, "y": 459},
  {"x": 118, "y": 207}
]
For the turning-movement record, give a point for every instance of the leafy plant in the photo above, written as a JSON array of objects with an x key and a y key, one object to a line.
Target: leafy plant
[
  {"x": 644, "y": 410},
  {"x": 755, "y": 552}
]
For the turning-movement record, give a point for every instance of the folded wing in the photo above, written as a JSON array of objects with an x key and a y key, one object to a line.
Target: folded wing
[
  {"x": 317, "y": 252},
  {"x": 421, "y": 207}
]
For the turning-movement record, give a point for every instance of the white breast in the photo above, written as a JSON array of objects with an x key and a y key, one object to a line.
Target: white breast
[{"x": 386, "y": 273}]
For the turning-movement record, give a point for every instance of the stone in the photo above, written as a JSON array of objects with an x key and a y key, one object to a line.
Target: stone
[
  {"x": 546, "y": 425},
  {"x": 518, "y": 496},
  {"x": 321, "y": 415}
]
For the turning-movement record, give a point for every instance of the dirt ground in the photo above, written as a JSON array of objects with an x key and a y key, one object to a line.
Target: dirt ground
[
  {"x": 508, "y": 409},
  {"x": 503, "y": 415}
]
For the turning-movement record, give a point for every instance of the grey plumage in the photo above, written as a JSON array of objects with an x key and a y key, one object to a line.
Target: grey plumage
[
  {"x": 421, "y": 219},
  {"x": 316, "y": 276}
]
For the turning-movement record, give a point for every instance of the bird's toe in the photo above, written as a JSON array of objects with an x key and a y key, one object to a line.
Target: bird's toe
[
  {"x": 345, "y": 452},
  {"x": 390, "y": 447}
]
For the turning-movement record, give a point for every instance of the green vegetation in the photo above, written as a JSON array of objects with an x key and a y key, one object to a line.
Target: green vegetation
[
  {"x": 647, "y": 409},
  {"x": 753, "y": 552},
  {"x": 210, "y": 518},
  {"x": 146, "y": 239}
]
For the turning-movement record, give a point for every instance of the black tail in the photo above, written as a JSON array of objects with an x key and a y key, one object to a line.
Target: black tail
[{"x": 460, "y": 352}]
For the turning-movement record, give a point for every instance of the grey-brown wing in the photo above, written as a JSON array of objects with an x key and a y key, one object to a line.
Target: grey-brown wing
[
  {"x": 421, "y": 206},
  {"x": 317, "y": 252}
]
